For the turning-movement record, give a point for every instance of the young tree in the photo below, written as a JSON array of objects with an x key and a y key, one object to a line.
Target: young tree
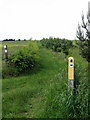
[{"x": 83, "y": 34}]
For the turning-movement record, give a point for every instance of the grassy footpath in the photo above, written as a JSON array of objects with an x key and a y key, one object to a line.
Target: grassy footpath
[
  {"x": 22, "y": 95},
  {"x": 38, "y": 95}
]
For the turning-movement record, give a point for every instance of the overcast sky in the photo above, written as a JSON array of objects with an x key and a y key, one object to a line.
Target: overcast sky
[{"x": 23, "y": 19}]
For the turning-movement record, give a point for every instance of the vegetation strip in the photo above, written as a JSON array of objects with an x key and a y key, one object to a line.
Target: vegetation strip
[{"x": 43, "y": 93}]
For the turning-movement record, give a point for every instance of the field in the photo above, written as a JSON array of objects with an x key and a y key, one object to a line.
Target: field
[{"x": 44, "y": 93}]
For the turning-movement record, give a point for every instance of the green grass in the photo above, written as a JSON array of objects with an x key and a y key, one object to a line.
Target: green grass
[
  {"x": 17, "y": 90},
  {"x": 44, "y": 94}
]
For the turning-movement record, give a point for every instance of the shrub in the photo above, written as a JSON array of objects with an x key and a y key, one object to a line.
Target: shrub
[
  {"x": 25, "y": 58},
  {"x": 57, "y": 44},
  {"x": 58, "y": 49}
]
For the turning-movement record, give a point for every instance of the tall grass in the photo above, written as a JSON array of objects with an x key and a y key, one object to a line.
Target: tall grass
[{"x": 62, "y": 103}]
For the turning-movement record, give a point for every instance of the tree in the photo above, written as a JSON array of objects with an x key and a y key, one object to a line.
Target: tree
[
  {"x": 83, "y": 34},
  {"x": 65, "y": 47}
]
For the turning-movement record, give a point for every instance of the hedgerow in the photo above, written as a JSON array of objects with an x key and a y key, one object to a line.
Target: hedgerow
[{"x": 57, "y": 44}]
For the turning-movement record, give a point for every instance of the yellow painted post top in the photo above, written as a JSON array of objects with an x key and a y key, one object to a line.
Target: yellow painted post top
[{"x": 70, "y": 68}]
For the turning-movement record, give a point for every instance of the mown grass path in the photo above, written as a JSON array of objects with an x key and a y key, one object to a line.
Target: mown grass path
[{"x": 24, "y": 96}]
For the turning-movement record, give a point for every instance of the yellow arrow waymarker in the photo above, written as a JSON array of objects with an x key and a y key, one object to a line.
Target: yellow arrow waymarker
[{"x": 71, "y": 72}]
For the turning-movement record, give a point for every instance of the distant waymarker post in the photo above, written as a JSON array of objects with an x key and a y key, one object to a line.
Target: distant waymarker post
[
  {"x": 6, "y": 53},
  {"x": 71, "y": 83}
]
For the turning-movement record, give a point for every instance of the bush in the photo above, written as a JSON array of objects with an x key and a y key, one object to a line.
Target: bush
[
  {"x": 57, "y": 44},
  {"x": 58, "y": 49},
  {"x": 26, "y": 58}
]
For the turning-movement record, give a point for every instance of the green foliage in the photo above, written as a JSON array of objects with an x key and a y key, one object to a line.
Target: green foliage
[
  {"x": 71, "y": 104},
  {"x": 57, "y": 44},
  {"x": 83, "y": 34},
  {"x": 25, "y": 58},
  {"x": 76, "y": 43},
  {"x": 65, "y": 47},
  {"x": 45, "y": 94},
  {"x": 66, "y": 105},
  {"x": 23, "y": 96},
  {"x": 84, "y": 50}
]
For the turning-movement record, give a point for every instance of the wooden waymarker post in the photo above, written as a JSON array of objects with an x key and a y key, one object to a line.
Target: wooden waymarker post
[
  {"x": 71, "y": 83},
  {"x": 6, "y": 53}
]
